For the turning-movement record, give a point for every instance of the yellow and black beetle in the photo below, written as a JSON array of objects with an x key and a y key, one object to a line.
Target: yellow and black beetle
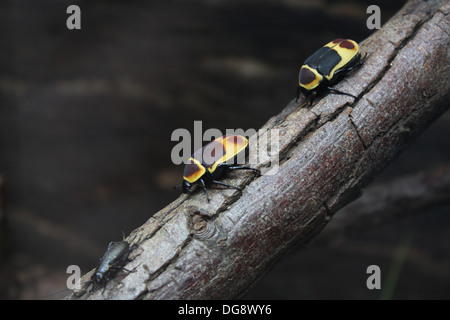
[
  {"x": 327, "y": 66},
  {"x": 209, "y": 163}
]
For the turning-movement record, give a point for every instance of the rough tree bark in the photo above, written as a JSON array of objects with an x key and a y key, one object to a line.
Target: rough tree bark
[{"x": 197, "y": 250}]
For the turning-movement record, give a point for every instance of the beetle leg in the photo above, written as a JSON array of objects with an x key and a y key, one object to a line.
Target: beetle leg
[
  {"x": 128, "y": 270},
  {"x": 204, "y": 188},
  {"x": 357, "y": 65},
  {"x": 117, "y": 268},
  {"x": 353, "y": 67},
  {"x": 332, "y": 90},
  {"x": 298, "y": 93},
  {"x": 310, "y": 99},
  {"x": 243, "y": 168},
  {"x": 226, "y": 185}
]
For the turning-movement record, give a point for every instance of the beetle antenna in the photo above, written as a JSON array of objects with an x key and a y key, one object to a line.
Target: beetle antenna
[
  {"x": 54, "y": 294},
  {"x": 178, "y": 186}
]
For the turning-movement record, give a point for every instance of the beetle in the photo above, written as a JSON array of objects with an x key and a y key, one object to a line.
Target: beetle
[
  {"x": 210, "y": 163},
  {"x": 327, "y": 66}
]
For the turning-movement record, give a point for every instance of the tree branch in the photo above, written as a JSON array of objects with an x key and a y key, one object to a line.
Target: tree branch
[
  {"x": 386, "y": 202},
  {"x": 197, "y": 250}
]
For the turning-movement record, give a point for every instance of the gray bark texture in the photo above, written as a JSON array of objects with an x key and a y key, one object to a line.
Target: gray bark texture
[{"x": 327, "y": 153}]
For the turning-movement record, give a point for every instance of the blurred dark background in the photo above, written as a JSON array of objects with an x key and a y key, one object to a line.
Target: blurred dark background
[{"x": 86, "y": 118}]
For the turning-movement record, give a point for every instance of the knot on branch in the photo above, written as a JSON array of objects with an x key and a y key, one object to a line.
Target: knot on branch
[{"x": 202, "y": 227}]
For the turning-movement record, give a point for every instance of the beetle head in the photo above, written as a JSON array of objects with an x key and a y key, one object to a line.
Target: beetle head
[
  {"x": 186, "y": 186},
  {"x": 98, "y": 278}
]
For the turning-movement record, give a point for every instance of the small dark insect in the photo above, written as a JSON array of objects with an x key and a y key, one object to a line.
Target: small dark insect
[{"x": 112, "y": 261}]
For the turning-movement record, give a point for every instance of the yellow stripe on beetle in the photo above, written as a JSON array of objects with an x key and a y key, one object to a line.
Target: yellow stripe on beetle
[
  {"x": 309, "y": 78},
  {"x": 347, "y": 50},
  {"x": 194, "y": 170},
  {"x": 232, "y": 145},
  {"x": 210, "y": 162}
]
